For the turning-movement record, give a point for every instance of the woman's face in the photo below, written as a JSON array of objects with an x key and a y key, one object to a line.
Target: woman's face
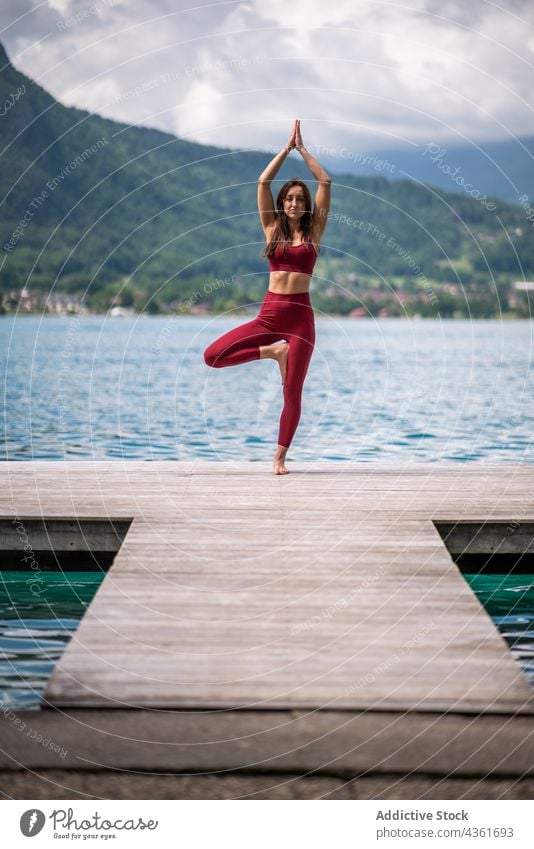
[{"x": 295, "y": 203}]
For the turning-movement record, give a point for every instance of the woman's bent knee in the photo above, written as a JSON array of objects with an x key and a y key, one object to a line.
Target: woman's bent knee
[{"x": 210, "y": 357}]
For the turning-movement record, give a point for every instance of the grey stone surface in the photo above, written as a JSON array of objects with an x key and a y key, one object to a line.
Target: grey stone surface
[
  {"x": 419, "y": 787},
  {"x": 66, "y": 784},
  {"x": 109, "y": 784},
  {"x": 341, "y": 743}
]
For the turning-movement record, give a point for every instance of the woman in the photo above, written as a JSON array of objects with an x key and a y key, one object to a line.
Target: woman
[{"x": 293, "y": 234}]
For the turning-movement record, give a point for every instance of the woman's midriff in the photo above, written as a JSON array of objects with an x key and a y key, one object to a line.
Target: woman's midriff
[{"x": 289, "y": 282}]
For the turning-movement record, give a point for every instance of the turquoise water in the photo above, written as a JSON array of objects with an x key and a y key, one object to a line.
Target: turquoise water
[
  {"x": 377, "y": 390},
  {"x": 509, "y": 600},
  {"x": 34, "y": 629}
]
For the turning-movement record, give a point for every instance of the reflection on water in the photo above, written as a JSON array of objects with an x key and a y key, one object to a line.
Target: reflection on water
[
  {"x": 34, "y": 629},
  {"x": 509, "y": 600},
  {"x": 388, "y": 390}
]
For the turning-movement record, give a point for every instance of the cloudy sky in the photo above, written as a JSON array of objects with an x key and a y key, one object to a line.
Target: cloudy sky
[{"x": 364, "y": 74}]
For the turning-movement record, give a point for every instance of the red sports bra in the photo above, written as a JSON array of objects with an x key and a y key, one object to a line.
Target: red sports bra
[{"x": 299, "y": 258}]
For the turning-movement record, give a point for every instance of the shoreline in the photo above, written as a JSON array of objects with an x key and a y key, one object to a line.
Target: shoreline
[{"x": 248, "y": 313}]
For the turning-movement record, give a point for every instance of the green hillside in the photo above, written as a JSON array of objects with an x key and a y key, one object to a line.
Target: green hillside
[{"x": 89, "y": 203}]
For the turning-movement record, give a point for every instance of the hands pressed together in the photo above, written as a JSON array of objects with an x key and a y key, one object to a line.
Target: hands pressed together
[{"x": 295, "y": 139}]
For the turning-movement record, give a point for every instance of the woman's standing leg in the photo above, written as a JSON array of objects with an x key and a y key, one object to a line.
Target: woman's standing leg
[
  {"x": 298, "y": 360},
  {"x": 301, "y": 343}
]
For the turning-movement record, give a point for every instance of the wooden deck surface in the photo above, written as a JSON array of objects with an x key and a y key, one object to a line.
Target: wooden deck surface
[{"x": 329, "y": 588}]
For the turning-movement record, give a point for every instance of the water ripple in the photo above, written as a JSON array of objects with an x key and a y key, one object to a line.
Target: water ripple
[{"x": 390, "y": 390}]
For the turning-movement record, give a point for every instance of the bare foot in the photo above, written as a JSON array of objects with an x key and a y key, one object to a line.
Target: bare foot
[
  {"x": 279, "y": 466},
  {"x": 278, "y": 352}
]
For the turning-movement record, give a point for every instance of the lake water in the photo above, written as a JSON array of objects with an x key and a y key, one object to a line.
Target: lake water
[
  {"x": 509, "y": 600},
  {"x": 35, "y": 628},
  {"x": 391, "y": 390}
]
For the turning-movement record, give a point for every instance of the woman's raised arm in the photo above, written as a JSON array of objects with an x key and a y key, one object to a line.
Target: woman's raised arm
[
  {"x": 266, "y": 207},
  {"x": 322, "y": 197}
]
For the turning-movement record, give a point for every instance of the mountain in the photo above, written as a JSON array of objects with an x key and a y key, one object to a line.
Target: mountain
[
  {"x": 88, "y": 203},
  {"x": 502, "y": 169}
]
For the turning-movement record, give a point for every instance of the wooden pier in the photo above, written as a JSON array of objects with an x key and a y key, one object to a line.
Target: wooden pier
[{"x": 328, "y": 594}]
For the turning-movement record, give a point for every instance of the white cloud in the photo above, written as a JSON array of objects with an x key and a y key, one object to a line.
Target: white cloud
[
  {"x": 62, "y": 6},
  {"x": 202, "y": 109},
  {"x": 366, "y": 75}
]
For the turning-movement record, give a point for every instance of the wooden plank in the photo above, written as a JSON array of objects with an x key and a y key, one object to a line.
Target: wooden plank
[{"x": 328, "y": 588}]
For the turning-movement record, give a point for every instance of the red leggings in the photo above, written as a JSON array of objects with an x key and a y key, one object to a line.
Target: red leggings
[{"x": 288, "y": 317}]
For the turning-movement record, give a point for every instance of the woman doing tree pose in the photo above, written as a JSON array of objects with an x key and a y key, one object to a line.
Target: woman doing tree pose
[{"x": 293, "y": 234}]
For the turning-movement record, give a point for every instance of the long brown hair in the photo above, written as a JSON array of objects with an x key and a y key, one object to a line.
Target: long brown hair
[{"x": 281, "y": 233}]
